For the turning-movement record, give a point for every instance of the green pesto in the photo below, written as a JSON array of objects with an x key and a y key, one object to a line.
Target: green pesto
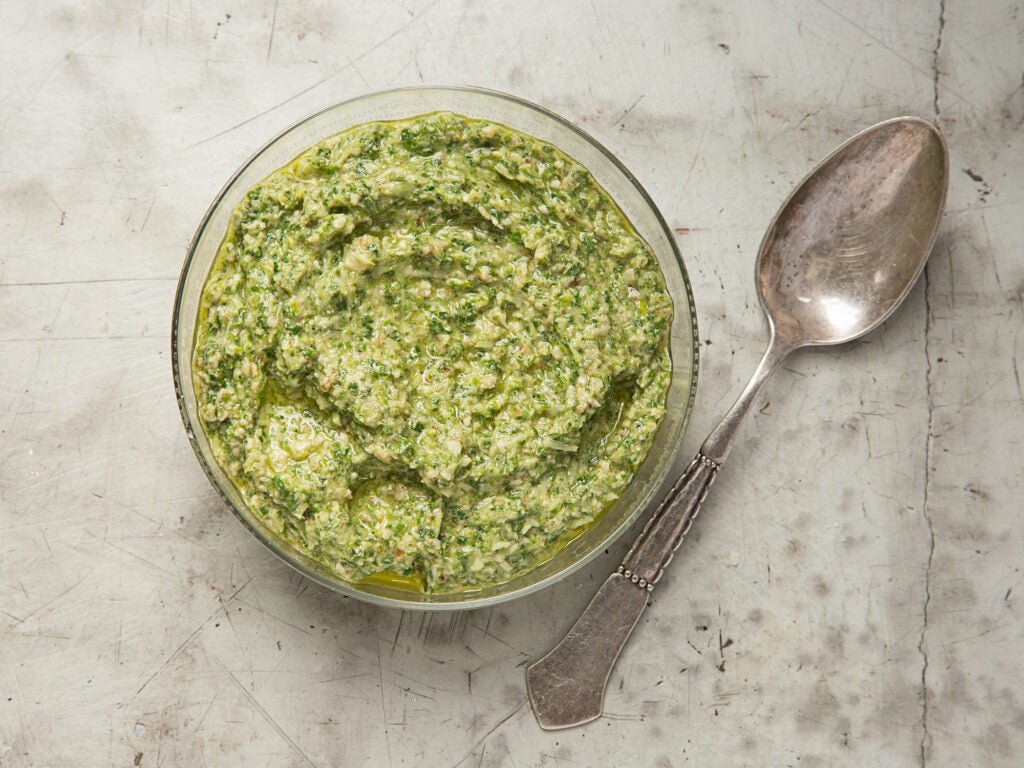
[{"x": 433, "y": 348}]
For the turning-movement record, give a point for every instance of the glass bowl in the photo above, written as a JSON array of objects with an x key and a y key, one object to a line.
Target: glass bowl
[{"x": 617, "y": 181}]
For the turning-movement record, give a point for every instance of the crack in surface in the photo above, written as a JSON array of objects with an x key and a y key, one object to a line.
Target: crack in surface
[
  {"x": 925, "y": 745},
  {"x": 921, "y": 643},
  {"x": 935, "y": 59}
]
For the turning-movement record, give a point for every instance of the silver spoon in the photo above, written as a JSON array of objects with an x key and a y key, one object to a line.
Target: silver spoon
[{"x": 840, "y": 256}]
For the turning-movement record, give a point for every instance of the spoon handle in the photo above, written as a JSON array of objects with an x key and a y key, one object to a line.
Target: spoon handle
[{"x": 566, "y": 687}]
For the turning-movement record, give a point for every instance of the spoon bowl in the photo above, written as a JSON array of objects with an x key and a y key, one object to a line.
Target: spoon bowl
[
  {"x": 839, "y": 257},
  {"x": 850, "y": 241}
]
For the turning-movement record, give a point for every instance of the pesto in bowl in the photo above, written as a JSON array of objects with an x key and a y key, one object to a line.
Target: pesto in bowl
[{"x": 427, "y": 354}]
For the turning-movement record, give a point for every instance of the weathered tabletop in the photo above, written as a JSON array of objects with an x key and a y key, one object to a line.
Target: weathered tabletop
[{"x": 852, "y": 593}]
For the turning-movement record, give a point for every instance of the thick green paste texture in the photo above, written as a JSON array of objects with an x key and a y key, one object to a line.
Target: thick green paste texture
[{"x": 433, "y": 348}]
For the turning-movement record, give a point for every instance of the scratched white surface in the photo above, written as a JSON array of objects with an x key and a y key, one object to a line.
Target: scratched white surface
[{"x": 852, "y": 594}]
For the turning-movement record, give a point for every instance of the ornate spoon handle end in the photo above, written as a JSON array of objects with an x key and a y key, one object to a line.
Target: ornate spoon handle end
[{"x": 567, "y": 686}]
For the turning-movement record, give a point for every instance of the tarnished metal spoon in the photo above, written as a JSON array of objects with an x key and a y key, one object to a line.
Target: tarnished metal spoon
[{"x": 840, "y": 256}]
